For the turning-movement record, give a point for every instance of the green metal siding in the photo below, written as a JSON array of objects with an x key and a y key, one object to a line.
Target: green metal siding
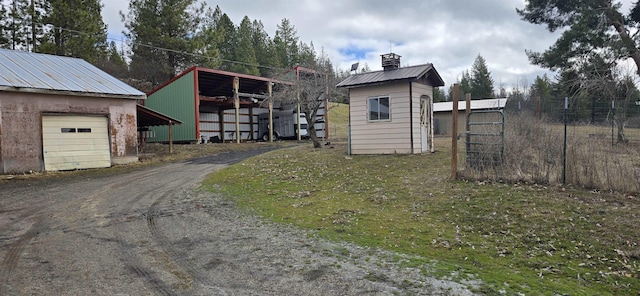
[{"x": 176, "y": 99}]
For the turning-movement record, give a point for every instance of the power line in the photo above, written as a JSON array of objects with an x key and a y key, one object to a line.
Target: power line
[{"x": 167, "y": 49}]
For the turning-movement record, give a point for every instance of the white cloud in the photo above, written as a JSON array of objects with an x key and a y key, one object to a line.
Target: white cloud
[{"x": 448, "y": 33}]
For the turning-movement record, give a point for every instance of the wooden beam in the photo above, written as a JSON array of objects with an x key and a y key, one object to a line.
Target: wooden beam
[
  {"x": 249, "y": 95},
  {"x": 236, "y": 99},
  {"x": 269, "y": 91},
  {"x": 221, "y": 126},
  {"x": 454, "y": 133}
]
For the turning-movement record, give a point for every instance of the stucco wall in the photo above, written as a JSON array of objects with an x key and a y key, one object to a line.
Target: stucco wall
[
  {"x": 394, "y": 135},
  {"x": 21, "y": 126}
]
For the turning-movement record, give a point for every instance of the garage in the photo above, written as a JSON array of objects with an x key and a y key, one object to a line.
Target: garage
[
  {"x": 62, "y": 113},
  {"x": 75, "y": 142}
]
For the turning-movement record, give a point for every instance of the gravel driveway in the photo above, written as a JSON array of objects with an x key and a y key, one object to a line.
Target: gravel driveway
[{"x": 152, "y": 231}]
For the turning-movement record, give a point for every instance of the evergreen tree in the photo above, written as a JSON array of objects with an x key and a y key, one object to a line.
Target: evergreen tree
[
  {"x": 77, "y": 29},
  {"x": 264, "y": 49},
  {"x": 18, "y": 12},
  {"x": 439, "y": 95},
  {"x": 207, "y": 40},
  {"x": 465, "y": 83},
  {"x": 226, "y": 30},
  {"x": 244, "y": 55},
  {"x": 307, "y": 55},
  {"x": 114, "y": 62},
  {"x": 5, "y": 27},
  {"x": 481, "y": 84},
  {"x": 160, "y": 36},
  {"x": 286, "y": 43}
]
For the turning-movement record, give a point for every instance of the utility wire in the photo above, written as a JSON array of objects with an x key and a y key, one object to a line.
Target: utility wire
[{"x": 168, "y": 49}]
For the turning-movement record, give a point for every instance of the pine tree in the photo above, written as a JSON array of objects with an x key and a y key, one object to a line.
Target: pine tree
[
  {"x": 114, "y": 62},
  {"x": 481, "y": 83},
  {"x": 77, "y": 29},
  {"x": 5, "y": 40},
  {"x": 19, "y": 25},
  {"x": 244, "y": 55},
  {"x": 286, "y": 42},
  {"x": 160, "y": 36},
  {"x": 226, "y": 30},
  {"x": 465, "y": 83},
  {"x": 207, "y": 40},
  {"x": 264, "y": 49}
]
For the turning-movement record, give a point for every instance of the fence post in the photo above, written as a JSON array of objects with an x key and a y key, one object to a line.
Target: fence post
[
  {"x": 564, "y": 148},
  {"x": 613, "y": 120},
  {"x": 454, "y": 132}
]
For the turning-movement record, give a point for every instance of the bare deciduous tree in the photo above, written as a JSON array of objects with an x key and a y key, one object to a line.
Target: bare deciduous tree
[{"x": 311, "y": 87}]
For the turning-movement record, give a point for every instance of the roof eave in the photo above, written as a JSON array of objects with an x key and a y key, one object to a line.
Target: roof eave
[{"x": 70, "y": 93}]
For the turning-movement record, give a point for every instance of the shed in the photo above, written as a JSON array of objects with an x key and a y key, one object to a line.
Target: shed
[
  {"x": 205, "y": 101},
  {"x": 442, "y": 113},
  {"x": 390, "y": 111},
  {"x": 62, "y": 113}
]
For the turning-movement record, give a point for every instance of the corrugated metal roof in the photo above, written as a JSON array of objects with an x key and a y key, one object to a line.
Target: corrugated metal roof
[
  {"x": 391, "y": 75},
  {"x": 36, "y": 72},
  {"x": 475, "y": 105}
]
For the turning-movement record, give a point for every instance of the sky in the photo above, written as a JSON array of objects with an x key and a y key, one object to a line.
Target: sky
[{"x": 448, "y": 33}]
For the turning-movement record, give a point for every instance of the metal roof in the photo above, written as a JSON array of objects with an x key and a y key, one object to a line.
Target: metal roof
[
  {"x": 483, "y": 104},
  {"x": 35, "y": 72},
  {"x": 403, "y": 73},
  {"x": 147, "y": 117}
]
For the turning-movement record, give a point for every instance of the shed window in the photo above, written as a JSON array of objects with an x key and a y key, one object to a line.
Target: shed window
[
  {"x": 68, "y": 130},
  {"x": 84, "y": 130},
  {"x": 378, "y": 108}
]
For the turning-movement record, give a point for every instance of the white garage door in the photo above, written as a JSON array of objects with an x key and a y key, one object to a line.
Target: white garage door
[{"x": 75, "y": 142}]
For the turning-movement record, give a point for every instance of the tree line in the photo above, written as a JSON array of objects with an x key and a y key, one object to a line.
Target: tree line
[{"x": 162, "y": 37}]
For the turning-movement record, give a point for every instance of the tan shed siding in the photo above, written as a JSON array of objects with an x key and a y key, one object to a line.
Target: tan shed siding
[{"x": 380, "y": 137}]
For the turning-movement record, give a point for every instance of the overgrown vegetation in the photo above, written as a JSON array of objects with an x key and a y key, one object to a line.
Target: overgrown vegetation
[
  {"x": 515, "y": 238},
  {"x": 534, "y": 153}
]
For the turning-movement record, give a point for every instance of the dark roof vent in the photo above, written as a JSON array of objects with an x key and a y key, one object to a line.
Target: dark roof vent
[{"x": 390, "y": 61}]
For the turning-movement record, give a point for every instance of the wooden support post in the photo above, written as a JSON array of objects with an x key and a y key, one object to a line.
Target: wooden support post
[
  {"x": 221, "y": 125},
  {"x": 454, "y": 133},
  {"x": 236, "y": 102},
  {"x": 326, "y": 106},
  {"x": 170, "y": 137},
  {"x": 298, "y": 121},
  {"x": 251, "y": 129},
  {"x": 467, "y": 97},
  {"x": 269, "y": 92}
]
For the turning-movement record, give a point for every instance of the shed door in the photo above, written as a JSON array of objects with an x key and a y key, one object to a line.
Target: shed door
[
  {"x": 425, "y": 123},
  {"x": 75, "y": 142}
]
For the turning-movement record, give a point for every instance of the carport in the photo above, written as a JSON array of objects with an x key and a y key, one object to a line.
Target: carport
[
  {"x": 148, "y": 118},
  {"x": 200, "y": 92}
]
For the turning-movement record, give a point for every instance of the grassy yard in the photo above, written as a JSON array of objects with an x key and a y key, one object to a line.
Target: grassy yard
[
  {"x": 516, "y": 238},
  {"x": 527, "y": 238}
]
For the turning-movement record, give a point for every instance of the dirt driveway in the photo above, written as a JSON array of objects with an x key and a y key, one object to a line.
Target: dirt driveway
[{"x": 152, "y": 231}]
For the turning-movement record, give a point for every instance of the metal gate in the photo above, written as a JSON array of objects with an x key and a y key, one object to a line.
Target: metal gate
[{"x": 485, "y": 139}]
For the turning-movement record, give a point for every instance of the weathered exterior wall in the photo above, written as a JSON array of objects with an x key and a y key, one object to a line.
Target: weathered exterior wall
[
  {"x": 21, "y": 126},
  {"x": 393, "y": 136}
]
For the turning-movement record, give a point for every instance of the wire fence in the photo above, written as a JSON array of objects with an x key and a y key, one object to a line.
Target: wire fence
[{"x": 538, "y": 150}]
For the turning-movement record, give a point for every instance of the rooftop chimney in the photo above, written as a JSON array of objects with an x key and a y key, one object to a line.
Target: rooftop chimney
[{"x": 390, "y": 61}]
